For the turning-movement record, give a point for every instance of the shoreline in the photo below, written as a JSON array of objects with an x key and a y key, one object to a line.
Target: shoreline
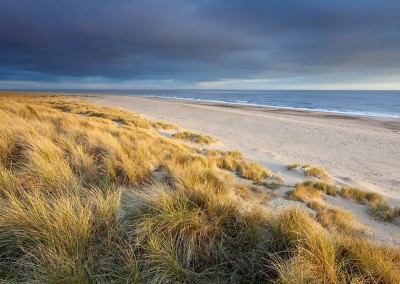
[
  {"x": 391, "y": 123},
  {"x": 224, "y": 103},
  {"x": 253, "y": 105}
]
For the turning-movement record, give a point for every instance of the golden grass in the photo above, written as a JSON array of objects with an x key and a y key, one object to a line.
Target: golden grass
[
  {"x": 233, "y": 161},
  {"x": 377, "y": 204},
  {"x": 86, "y": 200},
  {"x": 293, "y": 166},
  {"x": 310, "y": 171},
  {"x": 254, "y": 193},
  {"x": 316, "y": 172},
  {"x": 305, "y": 192},
  {"x": 362, "y": 197},
  {"x": 340, "y": 258},
  {"x": 335, "y": 219},
  {"x": 383, "y": 211},
  {"x": 194, "y": 137},
  {"x": 276, "y": 183}
]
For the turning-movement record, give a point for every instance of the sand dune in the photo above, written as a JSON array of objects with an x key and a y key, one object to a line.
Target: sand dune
[
  {"x": 355, "y": 150},
  {"x": 359, "y": 151}
]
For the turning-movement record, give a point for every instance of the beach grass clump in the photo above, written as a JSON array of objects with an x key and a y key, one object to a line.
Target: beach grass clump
[
  {"x": 305, "y": 192},
  {"x": 233, "y": 154},
  {"x": 327, "y": 188},
  {"x": 275, "y": 184},
  {"x": 361, "y": 196},
  {"x": 309, "y": 170},
  {"x": 163, "y": 125},
  {"x": 86, "y": 200},
  {"x": 377, "y": 204},
  {"x": 252, "y": 171},
  {"x": 316, "y": 172},
  {"x": 384, "y": 211},
  {"x": 335, "y": 219},
  {"x": 194, "y": 137},
  {"x": 234, "y": 161},
  {"x": 293, "y": 166}
]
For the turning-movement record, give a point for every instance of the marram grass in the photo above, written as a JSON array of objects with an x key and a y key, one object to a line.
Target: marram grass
[
  {"x": 194, "y": 137},
  {"x": 84, "y": 199},
  {"x": 310, "y": 171},
  {"x": 313, "y": 191}
]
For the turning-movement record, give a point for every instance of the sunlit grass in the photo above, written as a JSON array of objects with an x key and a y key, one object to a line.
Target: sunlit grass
[
  {"x": 84, "y": 199},
  {"x": 377, "y": 204},
  {"x": 305, "y": 192},
  {"x": 335, "y": 219},
  {"x": 194, "y": 137},
  {"x": 316, "y": 172},
  {"x": 310, "y": 171}
]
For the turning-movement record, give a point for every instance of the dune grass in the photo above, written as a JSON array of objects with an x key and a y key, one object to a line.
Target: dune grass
[
  {"x": 335, "y": 219},
  {"x": 377, "y": 204},
  {"x": 194, "y": 137},
  {"x": 293, "y": 166},
  {"x": 305, "y": 192},
  {"x": 316, "y": 172},
  {"x": 310, "y": 171},
  {"x": 234, "y": 161},
  {"x": 86, "y": 200}
]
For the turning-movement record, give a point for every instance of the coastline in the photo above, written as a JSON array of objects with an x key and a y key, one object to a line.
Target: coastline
[
  {"x": 356, "y": 150},
  {"x": 253, "y": 105}
]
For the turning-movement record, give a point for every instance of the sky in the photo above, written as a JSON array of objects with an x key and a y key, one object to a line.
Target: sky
[{"x": 200, "y": 44}]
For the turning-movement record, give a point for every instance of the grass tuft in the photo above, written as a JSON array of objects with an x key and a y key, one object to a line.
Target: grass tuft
[
  {"x": 377, "y": 204},
  {"x": 310, "y": 171},
  {"x": 305, "y": 192},
  {"x": 194, "y": 137},
  {"x": 316, "y": 172},
  {"x": 293, "y": 166}
]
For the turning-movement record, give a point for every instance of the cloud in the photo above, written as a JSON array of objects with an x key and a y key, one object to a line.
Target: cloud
[
  {"x": 233, "y": 82},
  {"x": 197, "y": 43}
]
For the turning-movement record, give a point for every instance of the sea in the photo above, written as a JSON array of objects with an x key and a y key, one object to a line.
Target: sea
[{"x": 366, "y": 103}]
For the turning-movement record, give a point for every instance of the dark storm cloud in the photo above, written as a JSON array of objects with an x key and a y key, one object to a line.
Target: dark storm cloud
[{"x": 196, "y": 40}]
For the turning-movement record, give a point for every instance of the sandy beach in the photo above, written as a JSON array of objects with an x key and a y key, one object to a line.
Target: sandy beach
[{"x": 355, "y": 150}]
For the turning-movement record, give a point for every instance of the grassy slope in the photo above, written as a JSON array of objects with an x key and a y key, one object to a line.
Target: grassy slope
[{"x": 100, "y": 197}]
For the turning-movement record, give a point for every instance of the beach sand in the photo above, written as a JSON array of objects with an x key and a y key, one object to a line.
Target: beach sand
[{"x": 355, "y": 150}]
